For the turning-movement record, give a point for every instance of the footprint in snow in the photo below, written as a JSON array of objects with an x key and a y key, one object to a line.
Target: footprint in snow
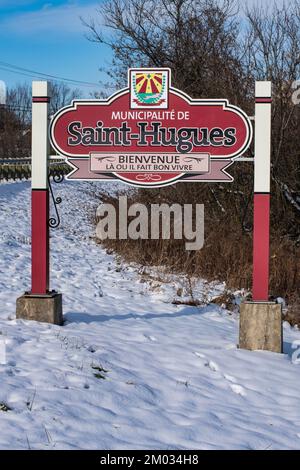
[
  {"x": 199, "y": 355},
  {"x": 212, "y": 365},
  {"x": 230, "y": 378},
  {"x": 150, "y": 338},
  {"x": 238, "y": 389}
]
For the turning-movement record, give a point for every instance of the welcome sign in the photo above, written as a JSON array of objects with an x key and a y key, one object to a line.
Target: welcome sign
[{"x": 150, "y": 134}]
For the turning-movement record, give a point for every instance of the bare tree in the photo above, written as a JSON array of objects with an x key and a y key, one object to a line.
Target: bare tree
[
  {"x": 213, "y": 52},
  {"x": 198, "y": 39},
  {"x": 273, "y": 53},
  {"x": 15, "y": 117},
  {"x": 62, "y": 95},
  {"x": 19, "y": 102}
]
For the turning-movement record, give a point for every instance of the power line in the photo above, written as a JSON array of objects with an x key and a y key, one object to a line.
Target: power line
[
  {"x": 41, "y": 74},
  {"x": 32, "y": 73},
  {"x": 18, "y": 73},
  {"x": 52, "y": 77}
]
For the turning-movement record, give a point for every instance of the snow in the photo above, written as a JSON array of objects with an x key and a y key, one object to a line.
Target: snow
[{"x": 129, "y": 369}]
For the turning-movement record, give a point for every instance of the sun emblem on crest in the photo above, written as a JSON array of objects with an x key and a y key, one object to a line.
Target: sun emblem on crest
[{"x": 149, "y": 88}]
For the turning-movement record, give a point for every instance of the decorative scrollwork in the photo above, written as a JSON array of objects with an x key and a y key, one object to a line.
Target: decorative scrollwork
[
  {"x": 54, "y": 222},
  {"x": 58, "y": 178},
  {"x": 148, "y": 177}
]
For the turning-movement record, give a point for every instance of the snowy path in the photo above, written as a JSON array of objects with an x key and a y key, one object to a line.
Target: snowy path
[{"x": 174, "y": 378}]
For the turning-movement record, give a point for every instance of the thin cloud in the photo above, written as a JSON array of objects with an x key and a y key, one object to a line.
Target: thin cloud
[
  {"x": 50, "y": 19},
  {"x": 14, "y": 3}
]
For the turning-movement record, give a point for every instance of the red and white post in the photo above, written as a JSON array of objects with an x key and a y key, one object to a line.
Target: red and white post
[
  {"x": 262, "y": 166},
  {"x": 40, "y": 190},
  {"x": 261, "y": 320},
  {"x": 40, "y": 303}
]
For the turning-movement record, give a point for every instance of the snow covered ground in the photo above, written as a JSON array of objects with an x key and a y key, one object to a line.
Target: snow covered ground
[{"x": 129, "y": 369}]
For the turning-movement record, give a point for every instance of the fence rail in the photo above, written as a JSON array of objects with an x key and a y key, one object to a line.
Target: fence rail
[
  {"x": 23, "y": 161},
  {"x": 14, "y": 161},
  {"x": 20, "y": 168}
]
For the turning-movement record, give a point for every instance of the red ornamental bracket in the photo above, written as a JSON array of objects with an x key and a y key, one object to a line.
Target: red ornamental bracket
[{"x": 149, "y": 129}]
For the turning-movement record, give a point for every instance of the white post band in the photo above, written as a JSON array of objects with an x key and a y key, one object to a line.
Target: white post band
[
  {"x": 263, "y": 98},
  {"x": 40, "y": 141}
]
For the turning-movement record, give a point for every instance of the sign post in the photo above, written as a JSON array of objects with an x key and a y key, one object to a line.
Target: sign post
[
  {"x": 40, "y": 190},
  {"x": 40, "y": 303},
  {"x": 261, "y": 320},
  {"x": 262, "y": 165}
]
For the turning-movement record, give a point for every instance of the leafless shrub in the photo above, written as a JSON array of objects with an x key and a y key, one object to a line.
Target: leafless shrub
[{"x": 212, "y": 54}]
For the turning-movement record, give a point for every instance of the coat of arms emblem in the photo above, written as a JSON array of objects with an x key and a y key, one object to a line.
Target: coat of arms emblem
[{"x": 149, "y": 88}]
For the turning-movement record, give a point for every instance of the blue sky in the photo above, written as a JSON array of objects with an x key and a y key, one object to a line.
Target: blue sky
[{"x": 48, "y": 36}]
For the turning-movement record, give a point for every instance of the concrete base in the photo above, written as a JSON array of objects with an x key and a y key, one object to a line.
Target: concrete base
[
  {"x": 261, "y": 326},
  {"x": 42, "y": 308}
]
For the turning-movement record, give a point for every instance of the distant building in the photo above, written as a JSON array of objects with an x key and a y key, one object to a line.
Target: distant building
[{"x": 2, "y": 92}]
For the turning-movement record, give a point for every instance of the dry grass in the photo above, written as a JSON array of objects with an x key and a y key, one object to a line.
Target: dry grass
[{"x": 226, "y": 255}]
